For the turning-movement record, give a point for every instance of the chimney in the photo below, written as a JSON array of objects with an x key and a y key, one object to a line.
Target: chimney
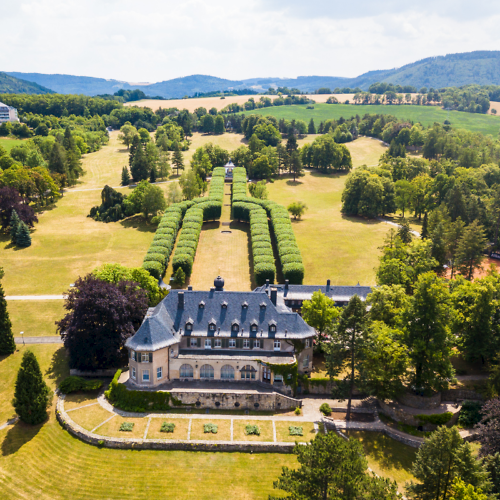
[
  {"x": 180, "y": 305},
  {"x": 287, "y": 282},
  {"x": 190, "y": 287},
  {"x": 267, "y": 283},
  {"x": 327, "y": 285},
  {"x": 274, "y": 295}
]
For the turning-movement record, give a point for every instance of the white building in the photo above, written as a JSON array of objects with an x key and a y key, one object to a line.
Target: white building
[{"x": 8, "y": 113}]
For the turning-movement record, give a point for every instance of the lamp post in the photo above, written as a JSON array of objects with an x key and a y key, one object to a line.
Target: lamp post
[{"x": 22, "y": 335}]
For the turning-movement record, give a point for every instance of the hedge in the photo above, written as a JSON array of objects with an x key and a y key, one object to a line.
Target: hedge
[
  {"x": 73, "y": 384},
  {"x": 186, "y": 246}
]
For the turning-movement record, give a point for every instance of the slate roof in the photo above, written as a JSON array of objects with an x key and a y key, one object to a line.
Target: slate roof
[{"x": 162, "y": 325}]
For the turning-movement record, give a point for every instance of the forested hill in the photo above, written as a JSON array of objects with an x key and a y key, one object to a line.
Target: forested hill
[
  {"x": 452, "y": 70},
  {"x": 12, "y": 85}
]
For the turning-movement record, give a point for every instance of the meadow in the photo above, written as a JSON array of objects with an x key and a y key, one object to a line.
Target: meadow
[{"x": 8, "y": 143}]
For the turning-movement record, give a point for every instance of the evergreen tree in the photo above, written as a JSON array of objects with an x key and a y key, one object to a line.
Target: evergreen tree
[
  {"x": 152, "y": 176},
  {"x": 14, "y": 226},
  {"x": 404, "y": 231},
  {"x": 311, "y": 129},
  {"x": 31, "y": 396},
  {"x": 470, "y": 249},
  {"x": 23, "y": 237},
  {"x": 178, "y": 160},
  {"x": 424, "y": 234},
  {"x": 57, "y": 159},
  {"x": 443, "y": 457},
  {"x": 125, "y": 177},
  {"x": 136, "y": 142},
  {"x": 7, "y": 344},
  {"x": 139, "y": 169}
]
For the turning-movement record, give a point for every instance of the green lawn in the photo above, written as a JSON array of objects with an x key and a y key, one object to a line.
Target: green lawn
[
  {"x": 427, "y": 115},
  {"x": 36, "y": 318},
  {"x": 8, "y": 143}
]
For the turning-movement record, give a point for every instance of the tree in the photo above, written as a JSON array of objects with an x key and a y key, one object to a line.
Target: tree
[
  {"x": 152, "y": 176},
  {"x": 7, "y": 344},
  {"x": 470, "y": 249},
  {"x": 10, "y": 200},
  {"x": 295, "y": 164},
  {"x": 140, "y": 169},
  {"x": 404, "y": 231},
  {"x": 489, "y": 428},
  {"x": 424, "y": 233},
  {"x": 403, "y": 194},
  {"x": 57, "y": 159},
  {"x": 14, "y": 226},
  {"x": 311, "y": 128},
  {"x": 153, "y": 201},
  {"x": 427, "y": 333},
  {"x": 208, "y": 124},
  {"x": 348, "y": 335},
  {"x": 453, "y": 234},
  {"x": 492, "y": 464},
  {"x": 163, "y": 164},
  {"x": 219, "y": 125},
  {"x": 136, "y": 144},
  {"x": 443, "y": 457},
  {"x": 179, "y": 277},
  {"x": 101, "y": 317},
  {"x": 178, "y": 160},
  {"x": 174, "y": 194},
  {"x": 201, "y": 165},
  {"x": 462, "y": 491},
  {"x": 387, "y": 303},
  {"x": 258, "y": 190},
  {"x": 297, "y": 209},
  {"x": 190, "y": 184},
  {"x": 127, "y": 133},
  {"x": 23, "y": 237},
  {"x": 31, "y": 394},
  {"x": 261, "y": 168},
  {"x": 125, "y": 177},
  {"x": 319, "y": 312},
  {"x": 331, "y": 468}
]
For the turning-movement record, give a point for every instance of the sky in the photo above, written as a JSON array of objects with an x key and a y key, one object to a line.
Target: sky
[{"x": 156, "y": 40}]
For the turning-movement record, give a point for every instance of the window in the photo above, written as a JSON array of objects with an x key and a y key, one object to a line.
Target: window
[
  {"x": 232, "y": 342},
  {"x": 201, "y": 304},
  {"x": 277, "y": 345},
  {"x": 246, "y": 344},
  {"x": 145, "y": 375},
  {"x": 132, "y": 355},
  {"x": 305, "y": 363},
  {"x": 193, "y": 342},
  {"x": 278, "y": 378},
  {"x": 208, "y": 343},
  {"x": 308, "y": 343},
  {"x": 248, "y": 373},
  {"x": 207, "y": 371},
  {"x": 189, "y": 327},
  {"x": 227, "y": 372},
  {"x": 211, "y": 327},
  {"x": 159, "y": 373},
  {"x": 253, "y": 328},
  {"x": 218, "y": 343},
  {"x": 145, "y": 357},
  {"x": 133, "y": 372},
  {"x": 256, "y": 344},
  {"x": 186, "y": 371},
  {"x": 235, "y": 327},
  {"x": 272, "y": 328}
]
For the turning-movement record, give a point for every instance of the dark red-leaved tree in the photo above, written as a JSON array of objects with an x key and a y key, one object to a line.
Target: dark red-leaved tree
[
  {"x": 10, "y": 199},
  {"x": 489, "y": 428},
  {"x": 101, "y": 317}
]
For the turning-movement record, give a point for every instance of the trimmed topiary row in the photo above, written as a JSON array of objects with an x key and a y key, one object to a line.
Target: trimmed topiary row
[
  {"x": 188, "y": 240},
  {"x": 288, "y": 250}
]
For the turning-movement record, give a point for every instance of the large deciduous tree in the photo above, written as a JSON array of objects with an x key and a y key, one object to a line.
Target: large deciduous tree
[
  {"x": 319, "y": 312},
  {"x": 31, "y": 395},
  {"x": 331, "y": 468},
  {"x": 11, "y": 200},
  {"x": 101, "y": 317}
]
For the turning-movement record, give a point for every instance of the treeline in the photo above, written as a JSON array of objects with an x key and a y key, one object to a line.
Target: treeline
[{"x": 266, "y": 102}]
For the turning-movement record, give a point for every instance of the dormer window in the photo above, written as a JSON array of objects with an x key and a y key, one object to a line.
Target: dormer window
[
  {"x": 262, "y": 305},
  {"x": 253, "y": 327},
  {"x": 235, "y": 327},
  {"x": 189, "y": 327},
  {"x": 272, "y": 326},
  {"x": 244, "y": 305},
  {"x": 224, "y": 305},
  {"x": 211, "y": 325},
  {"x": 201, "y": 305}
]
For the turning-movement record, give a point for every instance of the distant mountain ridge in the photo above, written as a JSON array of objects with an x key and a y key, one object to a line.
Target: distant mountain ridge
[
  {"x": 12, "y": 85},
  {"x": 452, "y": 70}
]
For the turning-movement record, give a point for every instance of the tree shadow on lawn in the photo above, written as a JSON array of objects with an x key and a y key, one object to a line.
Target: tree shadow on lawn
[
  {"x": 291, "y": 182},
  {"x": 361, "y": 220},
  {"x": 18, "y": 435},
  {"x": 334, "y": 174},
  {"x": 138, "y": 222},
  {"x": 59, "y": 367}
]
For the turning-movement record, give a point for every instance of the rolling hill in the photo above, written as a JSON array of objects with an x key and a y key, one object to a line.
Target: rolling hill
[
  {"x": 12, "y": 85},
  {"x": 481, "y": 67}
]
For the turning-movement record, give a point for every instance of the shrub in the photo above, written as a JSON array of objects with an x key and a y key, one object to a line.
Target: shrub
[
  {"x": 252, "y": 430},
  {"x": 179, "y": 277},
  {"x": 297, "y": 411},
  {"x": 294, "y": 272},
  {"x": 155, "y": 269},
  {"x": 295, "y": 431},
  {"x": 470, "y": 413},
  {"x": 167, "y": 427},
  {"x": 436, "y": 419},
  {"x": 155, "y": 257},
  {"x": 183, "y": 261},
  {"x": 264, "y": 271},
  {"x": 210, "y": 428},
  {"x": 127, "y": 427},
  {"x": 74, "y": 384},
  {"x": 325, "y": 409}
]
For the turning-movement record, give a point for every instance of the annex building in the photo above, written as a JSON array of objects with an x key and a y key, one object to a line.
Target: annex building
[
  {"x": 220, "y": 335},
  {"x": 8, "y": 113}
]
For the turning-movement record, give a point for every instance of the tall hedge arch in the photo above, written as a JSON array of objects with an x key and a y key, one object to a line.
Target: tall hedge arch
[{"x": 288, "y": 250}]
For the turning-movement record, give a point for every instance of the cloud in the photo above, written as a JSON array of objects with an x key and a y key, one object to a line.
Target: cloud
[{"x": 157, "y": 40}]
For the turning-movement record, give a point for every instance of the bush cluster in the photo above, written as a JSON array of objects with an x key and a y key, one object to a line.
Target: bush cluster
[
  {"x": 210, "y": 428},
  {"x": 436, "y": 419},
  {"x": 252, "y": 429},
  {"x": 127, "y": 427},
  {"x": 295, "y": 431},
  {"x": 325, "y": 409},
  {"x": 74, "y": 384},
  {"x": 167, "y": 427},
  {"x": 289, "y": 253},
  {"x": 470, "y": 413}
]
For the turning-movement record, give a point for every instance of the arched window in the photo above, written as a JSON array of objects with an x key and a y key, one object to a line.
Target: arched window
[
  {"x": 227, "y": 372},
  {"x": 207, "y": 371},
  {"x": 248, "y": 373},
  {"x": 186, "y": 371}
]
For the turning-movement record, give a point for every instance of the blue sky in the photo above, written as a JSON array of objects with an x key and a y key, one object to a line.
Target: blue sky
[{"x": 154, "y": 40}]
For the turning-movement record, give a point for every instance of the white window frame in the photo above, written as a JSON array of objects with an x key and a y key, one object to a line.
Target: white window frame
[
  {"x": 145, "y": 372},
  {"x": 132, "y": 372},
  {"x": 278, "y": 378},
  {"x": 218, "y": 343},
  {"x": 232, "y": 342},
  {"x": 189, "y": 327},
  {"x": 256, "y": 344},
  {"x": 159, "y": 373},
  {"x": 235, "y": 327},
  {"x": 186, "y": 376},
  {"x": 246, "y": 343},
  {"x": 277, "y": 345},
  {"x": 272, "y": 328},
  {"x": 132, "y": 355},
  {"x": 193, "y": 343},
  {"x": 208, "y": 343},
  {"x": 211, "y": 327},
  {"x": 145, "y": 357},
  {"x": 253, "y": 328}
]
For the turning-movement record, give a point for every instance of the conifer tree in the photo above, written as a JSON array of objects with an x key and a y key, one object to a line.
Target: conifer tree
[
  {"x": 152, "y": 176},
  {"x": 424, "y": 234},
  {"x": 139, "y": 169},
  {"x": 125, "y": 177},
  {"x": 14, "y": 226},
  {"x": 23, "y": 237},
  {"x": 136, "y": 141},
  {"x": 31, "y": 396},
  {"x": 7, "y": 344},
  {"x": 178, "y": 160},
  {"x": 311, "y": 129}
]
